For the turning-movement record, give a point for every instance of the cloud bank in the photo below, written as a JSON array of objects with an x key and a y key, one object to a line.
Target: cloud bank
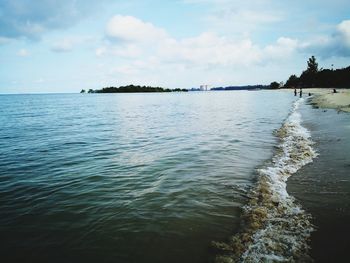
[
  {"x": 132, "y": 37},
  {"x": 203, "y": 41},
  {"x": 335, "y": 45},
  {"x": 31, "y": 19}
]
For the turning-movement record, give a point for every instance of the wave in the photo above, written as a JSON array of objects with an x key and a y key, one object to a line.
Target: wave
[{"x": 275, "y": 228}]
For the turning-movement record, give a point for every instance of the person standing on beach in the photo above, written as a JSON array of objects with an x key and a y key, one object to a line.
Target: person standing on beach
[
  {"x": 295, "y": 92},
  {"x": 301, "y": 92}
]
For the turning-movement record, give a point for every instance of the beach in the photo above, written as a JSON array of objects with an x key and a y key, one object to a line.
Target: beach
[{"x": 326, "y": 98}]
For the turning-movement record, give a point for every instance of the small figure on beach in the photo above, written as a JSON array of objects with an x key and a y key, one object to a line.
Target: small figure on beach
[
  {"x": 295, "y": 92},
  {"x": 301, "y": 92},
  {"x": 309, "y": 94},
  {"x": 334, "y": 91}
]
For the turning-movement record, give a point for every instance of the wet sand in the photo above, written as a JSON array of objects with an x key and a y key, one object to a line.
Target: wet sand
[
  {"x": 326, "y": 98},
  {"x": 323, "y": 186}
]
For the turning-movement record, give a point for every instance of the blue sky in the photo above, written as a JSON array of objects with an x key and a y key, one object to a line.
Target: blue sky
[{"x": 66, "y": 45}]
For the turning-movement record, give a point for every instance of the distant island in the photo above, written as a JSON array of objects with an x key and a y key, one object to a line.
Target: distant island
[
  {"x": 137, "y": 88},
  {"x": 132, "y": 89}
]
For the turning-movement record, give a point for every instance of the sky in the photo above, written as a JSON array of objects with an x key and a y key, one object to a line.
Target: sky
[{"x": 49, "y": 46}]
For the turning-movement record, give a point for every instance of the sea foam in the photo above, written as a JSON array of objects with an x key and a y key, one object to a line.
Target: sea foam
[{"x": 275, "y": 228}]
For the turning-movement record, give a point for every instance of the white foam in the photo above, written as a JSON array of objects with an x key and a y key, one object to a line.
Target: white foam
[{"x": 287, "y": 227}]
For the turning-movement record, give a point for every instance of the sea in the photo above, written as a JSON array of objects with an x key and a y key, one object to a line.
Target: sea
[{"x": 226, "y": 176}]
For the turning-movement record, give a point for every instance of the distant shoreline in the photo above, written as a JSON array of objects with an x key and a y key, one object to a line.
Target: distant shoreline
[{"x": 132, "y": 89}]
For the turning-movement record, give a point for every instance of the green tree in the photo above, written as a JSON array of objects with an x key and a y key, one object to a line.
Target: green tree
[
  {"x": 308, "y": 77},
  {"x": 274, "y": 85},
  {"x": 91, "y": 91},
  {"x": 312, "y": 65},
  {"x": 292, "y": 82},
  {"x": 82, "y": 91}
]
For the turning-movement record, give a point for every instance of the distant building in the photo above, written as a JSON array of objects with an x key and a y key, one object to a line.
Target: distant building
[{"x": 203, "y": 87}]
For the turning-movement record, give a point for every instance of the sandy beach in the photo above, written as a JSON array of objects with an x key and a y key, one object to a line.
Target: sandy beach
[{"x": 326, "y": 98}]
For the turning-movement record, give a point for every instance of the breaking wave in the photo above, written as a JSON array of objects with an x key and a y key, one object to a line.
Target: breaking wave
[{"x": 275, "y": 228}]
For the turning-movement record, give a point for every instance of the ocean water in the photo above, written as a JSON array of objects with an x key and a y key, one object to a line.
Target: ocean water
[{"x": 152, "y": 177}]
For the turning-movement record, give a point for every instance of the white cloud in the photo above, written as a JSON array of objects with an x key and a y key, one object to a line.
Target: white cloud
[
  {"x": 31, "y": 19},
  {"x": 241, "y": 20},
  {"x": 68, "y": 43},
  {"x": 23, "y": 53},
  {"x": 283, "y": 48},
  {"x": 100, "y": 51},
  {"x": 144, "y": 40},
  {"x": 335, "y": 44},
  {"x": 343, "y": 30},
  {"x": 146, "y": 54},
  {"x": 128, "y": 28},
  {"x": 4, "y": 40},
  {"x": 126, "y": 50},
  {"x": 125, "y": 70},
  {"x": 64, "y": 45},
  {"x": 240, "y": 17},
  {"x": 209, "y": 49}
]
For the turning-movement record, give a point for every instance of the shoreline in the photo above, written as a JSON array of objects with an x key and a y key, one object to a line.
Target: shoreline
[
  {"x": 322, "y": 187},
  {"x": 271, "y": 212},
  {"x": 326, "y": 98}
]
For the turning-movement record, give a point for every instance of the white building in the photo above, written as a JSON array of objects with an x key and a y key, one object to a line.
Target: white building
[{"x": 203, "y": 87}]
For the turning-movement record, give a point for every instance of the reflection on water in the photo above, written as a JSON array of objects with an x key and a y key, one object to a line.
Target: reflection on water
[{"x": 129, "y": 177}]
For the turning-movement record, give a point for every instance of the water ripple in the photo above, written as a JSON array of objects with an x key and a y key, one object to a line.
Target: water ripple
[{"x": 129, "y": 177}]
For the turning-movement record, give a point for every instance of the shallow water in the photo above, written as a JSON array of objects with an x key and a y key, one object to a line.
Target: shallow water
[
  {"x": 130, "y": 177},
  {"x": 275, "y": 228},
  {"x": 323, "y": 187}
]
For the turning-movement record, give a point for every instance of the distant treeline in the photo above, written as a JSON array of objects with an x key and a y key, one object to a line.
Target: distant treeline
[
  {"x": 318, "y": 78},
  {"x": 248, "y": 87},
  {"x": 132, "y": 89}
]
